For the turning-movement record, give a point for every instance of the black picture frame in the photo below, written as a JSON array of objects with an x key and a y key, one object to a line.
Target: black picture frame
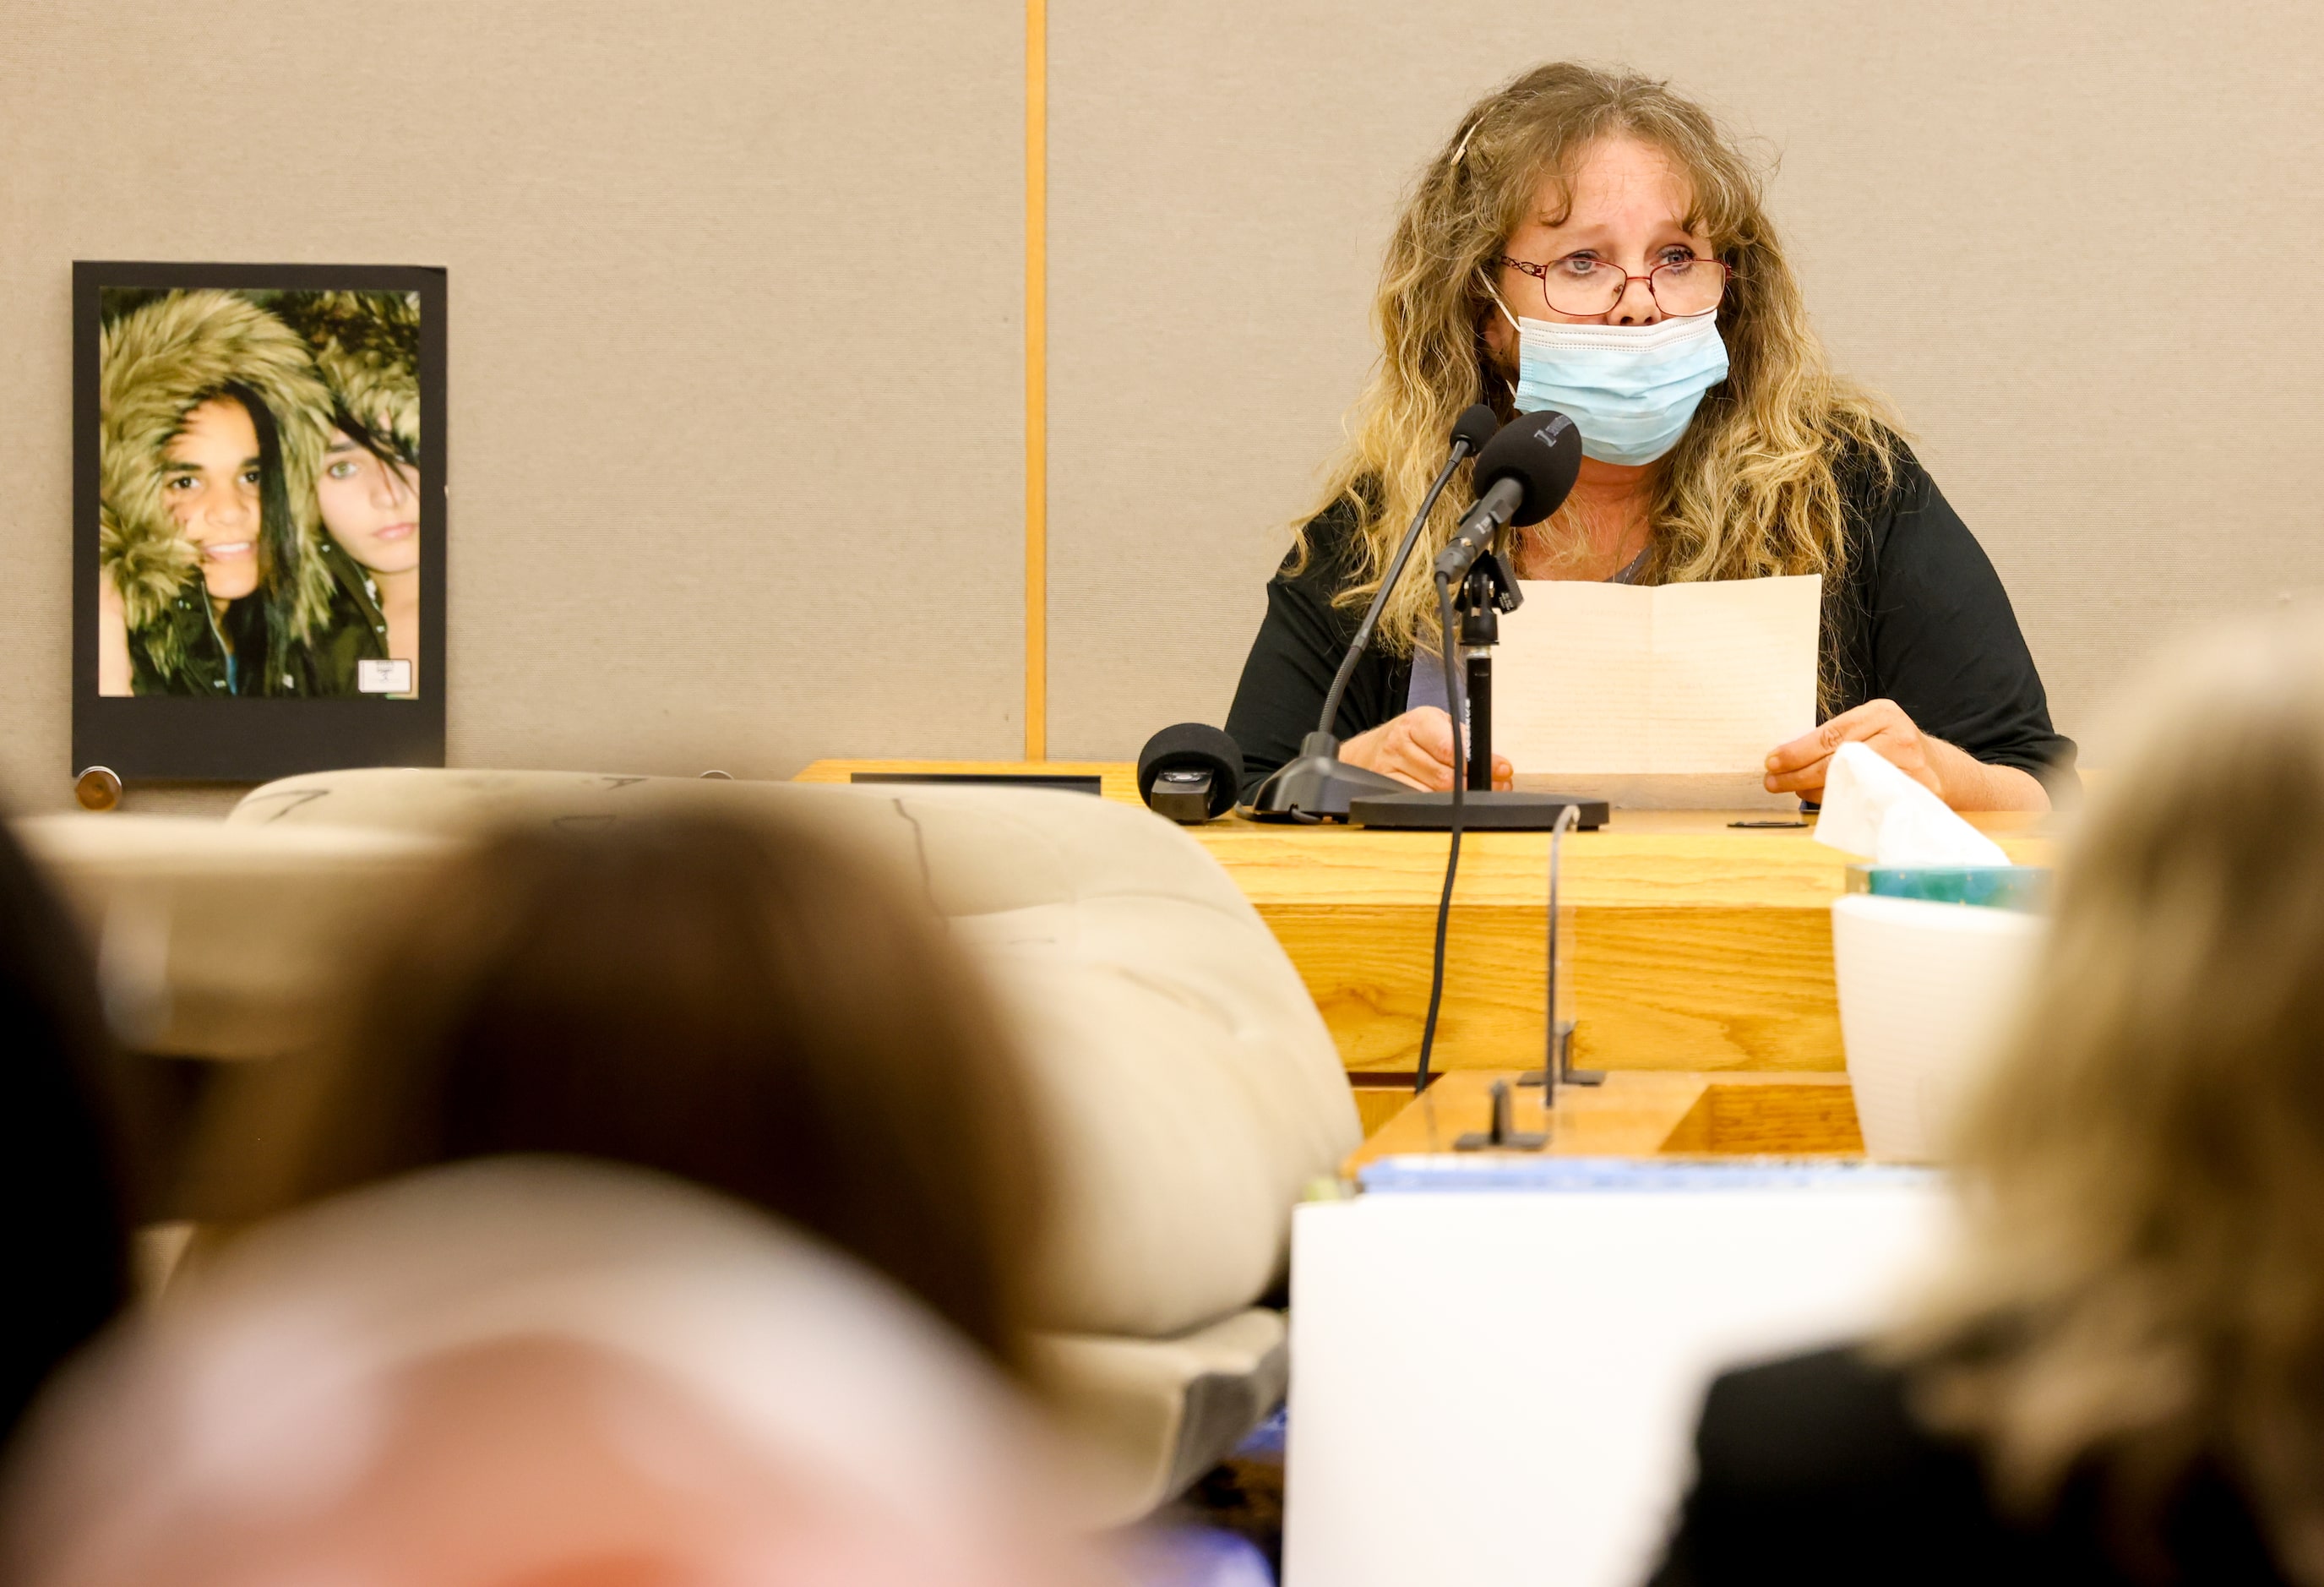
[{"x": 254, "y": 739}]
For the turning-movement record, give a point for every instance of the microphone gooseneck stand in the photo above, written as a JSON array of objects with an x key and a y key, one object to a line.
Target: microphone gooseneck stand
[{"x": 1316, "y": 785}]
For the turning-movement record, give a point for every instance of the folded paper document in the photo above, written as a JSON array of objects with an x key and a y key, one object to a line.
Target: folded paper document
[{"x": 1657, "y": 695}]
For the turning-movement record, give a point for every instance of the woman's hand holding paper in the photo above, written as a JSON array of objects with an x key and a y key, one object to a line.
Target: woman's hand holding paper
[
  {"x": 1416, "y": 748},
  {"x": 1801, "y": 765},
  {"x": 1951, "y": 774}
]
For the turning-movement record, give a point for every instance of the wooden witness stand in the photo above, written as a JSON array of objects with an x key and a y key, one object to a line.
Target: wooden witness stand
[{"x": 1698, "y": 950}]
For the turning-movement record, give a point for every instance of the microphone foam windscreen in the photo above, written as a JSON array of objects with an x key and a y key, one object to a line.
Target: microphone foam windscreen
[
  {"x": 1543, "y": 453},
  {"x": 1193, "y": 746},
  {"x": 1477, "y": 425}
]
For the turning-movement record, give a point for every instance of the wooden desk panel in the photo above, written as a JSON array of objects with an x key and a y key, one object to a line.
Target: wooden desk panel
[
  {"x": 1667, "y": 986},
  {"x": 1661, "y": 987},
  {"x": 1696, "y": 946},
  {"x": 1635, "y": 1115}
]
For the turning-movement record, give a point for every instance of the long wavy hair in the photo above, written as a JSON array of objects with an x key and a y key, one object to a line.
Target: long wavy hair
[
  {"x": 268, "y": 630},
  {"x": 1752, "y": 488},
  {"x": 2139, "y": 1291},
  {"x": 159, "y": 358}
]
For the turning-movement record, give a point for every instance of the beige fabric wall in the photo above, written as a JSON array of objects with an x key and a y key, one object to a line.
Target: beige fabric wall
[
  {"x": 703, "y": 254},
  {"x": 2071, "y": 242},
  {"x": 704, "y": 258}
]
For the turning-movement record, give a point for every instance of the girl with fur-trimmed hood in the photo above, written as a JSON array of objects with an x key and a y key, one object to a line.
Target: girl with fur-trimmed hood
[
  {"x": 366, "y": 347},
  {"x": 212, "y": 423}
]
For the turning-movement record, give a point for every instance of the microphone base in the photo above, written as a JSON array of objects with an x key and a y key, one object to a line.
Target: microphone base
[
  {"x": 1519, "y": 811},
  {"x": 1317, "y": 785}
]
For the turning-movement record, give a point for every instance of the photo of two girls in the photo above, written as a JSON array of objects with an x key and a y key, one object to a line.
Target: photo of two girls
[{"x": 259, "y": 494}]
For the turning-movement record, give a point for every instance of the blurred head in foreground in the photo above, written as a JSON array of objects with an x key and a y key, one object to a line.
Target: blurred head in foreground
[
  {"x": 63, "y": 1151},
  {"x": 745, "y": 1005},
  {"x": 532, "y": 1372},
  {"x": 2140, "y": 1297}
]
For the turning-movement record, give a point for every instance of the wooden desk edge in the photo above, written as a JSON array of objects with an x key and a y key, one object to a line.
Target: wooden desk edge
[
  {"x": 1119, "y": 780},
  {"x": 1633, "y": 1113}
]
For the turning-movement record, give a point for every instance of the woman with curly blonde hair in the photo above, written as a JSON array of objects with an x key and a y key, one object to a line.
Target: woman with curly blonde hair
[{"x": 1590, "y": 241}]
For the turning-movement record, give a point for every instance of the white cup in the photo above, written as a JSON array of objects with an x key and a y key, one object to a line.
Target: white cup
[{"x": 1926, "y": 991}]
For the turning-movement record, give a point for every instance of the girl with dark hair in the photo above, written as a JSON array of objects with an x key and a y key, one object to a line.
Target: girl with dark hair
[
  {"x": 366, "y": 347},
  {"x": 222, "y": 480},
  {"x": 211, "y": 428}
]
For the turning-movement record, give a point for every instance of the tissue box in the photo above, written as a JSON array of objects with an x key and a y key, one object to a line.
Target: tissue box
[
  {"x": 1996, "y": 887},
  {"x": 1926, "y": 990}
]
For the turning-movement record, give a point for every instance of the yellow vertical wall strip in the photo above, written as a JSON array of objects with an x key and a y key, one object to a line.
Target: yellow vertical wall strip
[{"x": 1036, "y": 380}]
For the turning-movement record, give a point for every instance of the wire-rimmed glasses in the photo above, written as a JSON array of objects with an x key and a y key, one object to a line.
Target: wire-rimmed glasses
[{"x": 1584, "y": 288}]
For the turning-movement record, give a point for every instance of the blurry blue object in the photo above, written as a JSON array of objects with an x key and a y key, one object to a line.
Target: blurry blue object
[
  {"x": 1510, "y": 1173},
  {"x": 2025, "y": 888},
  {"x": 1265, "y": 1442},
  {"x": 1192, "y": 1557}
]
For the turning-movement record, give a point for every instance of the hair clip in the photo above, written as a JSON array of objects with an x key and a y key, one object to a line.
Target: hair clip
[{"x": 1461, "y": 152}]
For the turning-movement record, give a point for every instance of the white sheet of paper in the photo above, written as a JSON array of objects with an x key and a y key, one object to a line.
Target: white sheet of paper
[{"x": 1667, "y": 680}]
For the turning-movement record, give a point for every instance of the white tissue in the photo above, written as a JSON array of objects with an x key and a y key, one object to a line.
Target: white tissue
[{"x": 1872, "y": 808}]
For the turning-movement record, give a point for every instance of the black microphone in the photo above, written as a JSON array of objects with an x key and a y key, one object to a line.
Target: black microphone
[
  {"x": 1523, "y": 475},
  {"x": 1190, "y": 773},
  {"x": 1477, "y": 425}
]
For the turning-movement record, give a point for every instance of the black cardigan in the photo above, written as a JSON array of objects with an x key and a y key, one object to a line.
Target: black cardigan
[
  {"x": 1814, "y": 1471},
  {"x": 1920, "y": 618}
]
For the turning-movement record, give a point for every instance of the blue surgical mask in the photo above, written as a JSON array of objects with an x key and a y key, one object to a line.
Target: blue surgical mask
[{"x": 1630, "y": 388}]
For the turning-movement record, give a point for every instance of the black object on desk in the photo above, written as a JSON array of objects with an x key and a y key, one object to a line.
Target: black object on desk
[
  {"x": 1502, "y": 1136},
  {"x": 1188, "y": 773},
  {"x": 1069, "y": 781},
  {"x": 1504, "y": 812}
]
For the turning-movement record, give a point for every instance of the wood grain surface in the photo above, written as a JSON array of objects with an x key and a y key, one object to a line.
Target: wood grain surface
[
  {"x": 1634, "y": 1115},
  {"x": 1695, "y": 946}
]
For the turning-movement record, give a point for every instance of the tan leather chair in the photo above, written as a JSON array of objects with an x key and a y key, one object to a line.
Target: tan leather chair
[{"x": 1189, "y": 1087}]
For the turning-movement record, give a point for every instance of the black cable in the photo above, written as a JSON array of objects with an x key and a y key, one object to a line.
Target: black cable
[
  {"x": 1459, "y": 712},
  {"x": 1363, "y": 638}
]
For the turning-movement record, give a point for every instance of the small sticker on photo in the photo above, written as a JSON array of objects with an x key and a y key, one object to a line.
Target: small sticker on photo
[{"x": 384, "y": 677}]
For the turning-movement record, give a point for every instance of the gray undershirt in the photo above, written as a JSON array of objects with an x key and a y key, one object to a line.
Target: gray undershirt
[{"x": 1427, "y": 686}]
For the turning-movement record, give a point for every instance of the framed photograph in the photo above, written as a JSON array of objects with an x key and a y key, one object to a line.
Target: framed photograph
[{"x": 258, "y": 518}]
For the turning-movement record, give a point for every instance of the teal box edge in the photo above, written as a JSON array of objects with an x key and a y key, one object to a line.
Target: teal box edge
[{"x": 1994, "y": 887}]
